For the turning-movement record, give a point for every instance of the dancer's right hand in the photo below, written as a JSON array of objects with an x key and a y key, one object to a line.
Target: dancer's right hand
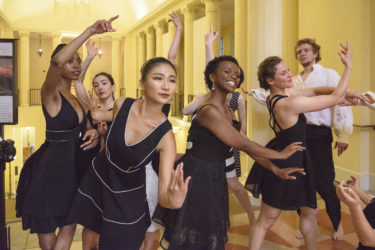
[
  {"x": 291, "y": 149},
  {"x": 102, "y": 26},
  {"x": 346, "y": 54},
  {"x": 211, "y": 36},
  {"x": 348, "y": 195},
  {"x": 177, "y": 187},
  {"x": 284, "y": 173}
]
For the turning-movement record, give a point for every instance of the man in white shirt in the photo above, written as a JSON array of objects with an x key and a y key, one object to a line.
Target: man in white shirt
[{"x": 318, "y": 132}]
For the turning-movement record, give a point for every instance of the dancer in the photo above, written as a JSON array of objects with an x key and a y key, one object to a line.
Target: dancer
[
  {"x": 363, "y": 221},
  {"x": 48, "y": 181},
  {"x": 112, "y": 198},
  {"x": 203, "y": 220},
  {"x": 289, "y": 124},
  {"x": 318, "y": 132}
]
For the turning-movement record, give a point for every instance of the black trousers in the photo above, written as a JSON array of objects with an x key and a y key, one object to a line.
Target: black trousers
[{"x": 319, "y": 142}]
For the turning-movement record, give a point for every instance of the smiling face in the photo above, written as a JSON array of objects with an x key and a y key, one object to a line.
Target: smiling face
[
  {"x": 72, "y": 68},
  {"x": 103, "y": 87},
  {"x": 226, "y": 76},
  {"x": 282, "y": 78},
  {"x": 306, "y": 55},
  {"x": 159, "y": 84}
]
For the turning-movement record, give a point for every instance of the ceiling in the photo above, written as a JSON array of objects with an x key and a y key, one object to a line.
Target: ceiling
[{"x": 73, "y": 15}]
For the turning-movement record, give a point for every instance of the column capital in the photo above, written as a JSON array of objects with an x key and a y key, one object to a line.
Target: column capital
[
  {"x": 116, "y": 38},
  {"x": 160, "y": 27},
  {"x": 212, "y": 5},
  {"x": 150, "y": 31},
  {"x": 23, "y": 34},
  {"x": 140, "y": 35},
  {"x": 189, "y": 9}
]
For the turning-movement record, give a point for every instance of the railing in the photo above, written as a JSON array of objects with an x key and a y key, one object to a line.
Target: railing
[
  {"x": 177, "y": 104},
  {"x": 35, "y": 98},
  {"x": 190, "y": 99},
  {"x": 364, "y": 126},
  {"x": 139, "y": 93}
]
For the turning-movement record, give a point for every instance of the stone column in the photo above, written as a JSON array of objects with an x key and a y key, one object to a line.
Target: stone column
[
  {"x": 160, "y": 28},
  {"x": 24, "y": 66},
  {"x": 213, "y": 8},
  {"x": 141, "y": 42},
  {"x": 116, "y": 63},
  {"x": 150, "y": 43}
]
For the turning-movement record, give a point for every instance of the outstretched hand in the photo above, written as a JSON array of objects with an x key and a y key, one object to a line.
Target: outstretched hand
[
  {"x": 285, "y": 173},
  {"x": 102, "y": 26},
  {"x": 175, "y": 18},
  {"x": 211, "y": 36},
  {"x": 92, "y": 51},
  {"x": 177, "y": 187},
  {"x": 291, "y": 149},
  {"x": 347, "y": 195},
  {"x": 346, "y": 54},
  {"x": 247, "y": 92}
]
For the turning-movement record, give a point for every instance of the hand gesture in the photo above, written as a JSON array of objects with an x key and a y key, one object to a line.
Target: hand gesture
[
  {"x": 245, "y": 91},
  {"x": 175, "y": 18},
  {"x": 284, "y": 173},
  {"x": 91, "y": 136},
  {"x": 341, "y": 147},
  {"x": 346, "y": 54},
  {"x": 211, "y": 36},
  {"x": 353, "y": 182},
  {"x": 370, "y": 97},
  {"x": 102, "y": 128},
  {"x": 102, "y": 26},
  {"x": 348, "y": 195},
  {"x": 177, "y": 187},
  {"x": 291, "y": 149},
  {"x": 90, "y": 101},
  {"x": 91, "y": 50}
]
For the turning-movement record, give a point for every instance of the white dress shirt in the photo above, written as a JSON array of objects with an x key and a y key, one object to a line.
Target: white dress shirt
[{"x": 338, "y": 117}]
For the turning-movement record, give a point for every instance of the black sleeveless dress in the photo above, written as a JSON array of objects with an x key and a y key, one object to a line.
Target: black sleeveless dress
[
  {"x": 369, "y": 212},
  {"x": 111, "y": 199},
  {"x": 203, "y": 220},
  {"x": 278, "y": 193},
  {"x": 48, "y": 180}
]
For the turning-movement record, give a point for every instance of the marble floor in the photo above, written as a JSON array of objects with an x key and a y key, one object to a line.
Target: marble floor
[{"x": 281, "y": 236}]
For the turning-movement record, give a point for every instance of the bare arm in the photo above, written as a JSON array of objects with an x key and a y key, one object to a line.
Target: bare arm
[
  {"x": 210, "y": 38},
  {"x": 78, "y": 84},
  {"x": 302, "y": 104},
  {"x": 194, "y": 104},
  {"x": 171, "y": 188},
  {"x": 365, "y": 233},
  {"x": 211, "y": 118},
  {"x": 175, "y": 18},
  {"x": 242, "y": 113}
]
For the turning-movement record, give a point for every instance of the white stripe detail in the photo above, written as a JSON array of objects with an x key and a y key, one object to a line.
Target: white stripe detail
[
  {"x": 189, "y": 144},
  {"x": 116, "y": 222},
  {"x": 113, "y": 191},
  {"x": 229, "y": 161}
]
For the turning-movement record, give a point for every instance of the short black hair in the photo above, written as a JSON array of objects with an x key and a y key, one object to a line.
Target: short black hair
[
  {"x": 267, "y": 69},
  {"x": 57, "y": 49},
  {"x": 212, "y": 66},
  {"x": 153, "y": 62}
]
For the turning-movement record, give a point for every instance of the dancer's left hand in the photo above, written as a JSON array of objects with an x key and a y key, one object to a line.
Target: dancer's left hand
[
  {"x": 177, "y": 187},
  {"x": 92, "y": 137},
  {"x": 347, "y": 195},
  {"x": 341, "y": 147}
]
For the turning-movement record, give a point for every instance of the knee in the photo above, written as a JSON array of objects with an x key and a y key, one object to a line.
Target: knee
[
  {"x": 310, "y": 213},
  {"x": 47, "y": 244}
]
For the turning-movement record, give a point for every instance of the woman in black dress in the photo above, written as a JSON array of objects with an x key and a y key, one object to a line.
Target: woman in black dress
[
  {"x": 111, "y": 199},
  {"x": 49, "y": 180},
  {"x": 203, "y": 220},
  {"x": 289, "y": 123}
]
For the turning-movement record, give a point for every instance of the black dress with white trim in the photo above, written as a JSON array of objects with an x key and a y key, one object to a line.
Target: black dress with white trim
[{"x": 111, "y": 199}]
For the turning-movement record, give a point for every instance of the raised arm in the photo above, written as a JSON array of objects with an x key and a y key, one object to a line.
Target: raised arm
[
  {"x": 78, "y": 84},
  {"x": 302, "y": 104},
  {"x": 171, "y": 188},
  {"x": 209, "y": 39},
  {"x": 212, "y": 119},
  {"x": 175, "y": 18},
  {"x": 58, "y": 61}
]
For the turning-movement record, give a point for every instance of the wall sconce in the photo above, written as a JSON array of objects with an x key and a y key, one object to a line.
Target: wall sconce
[
  {"x": 40, "y": 50},
  {"x": 100, "y": 52}
]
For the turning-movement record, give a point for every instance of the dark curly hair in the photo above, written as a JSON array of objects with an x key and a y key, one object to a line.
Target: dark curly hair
[
  {"x": 153, "y": 62},
  {"x": 57, "y": 49},
  {"x": 212, "y": 66},
  {"x": 267, "y": 69},
  {"x": 108, "y": 76},
  {"x": 314, "y": 45}
]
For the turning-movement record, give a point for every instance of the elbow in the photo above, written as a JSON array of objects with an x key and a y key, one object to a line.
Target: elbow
[
  {"x": 369, "y": 242},
  {"x": 56, "y": 62}
]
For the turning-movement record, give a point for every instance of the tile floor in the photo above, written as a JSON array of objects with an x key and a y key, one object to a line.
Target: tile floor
[{"x": 281, "y": 236}]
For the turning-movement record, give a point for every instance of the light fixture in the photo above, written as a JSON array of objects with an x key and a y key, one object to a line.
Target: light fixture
[
  {"x": 40, "y": 50},
  {"x": 100, "y": 52}
]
